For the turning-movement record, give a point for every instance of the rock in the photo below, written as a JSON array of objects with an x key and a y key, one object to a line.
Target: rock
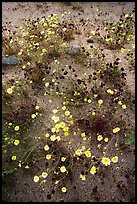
[
  {"x": 10, "y": 60},
  {"x": 72, "y": 49}
]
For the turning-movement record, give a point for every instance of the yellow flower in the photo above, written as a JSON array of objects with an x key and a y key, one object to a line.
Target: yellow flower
[
  {"x": 85, "y": 99},
  {"x": 53, "y": 129},
  {"x": 100, "y": 101},
  {"x": 20, "y": 53},
  {"x": 99, "y": 138},
  {"x": 36, "y": 179},
  {"x": 63, "y": 169},
  {"x": 63, "y": 107},
  {"x": 57, "y": 126},
  {"x": 106, "y": 161},
  {"x": 44, "y": 174},
  {"x": 33, "y": 116},
  {"x": 16, "y": 128},
  {"x": 27, "y": 167},
  {"x": 53, "y": 138},
  {"x": 13, "y": 158},
  {"x": 44, "y": 50},
  {"x": 58, "y": 138},
  {"x": 55, "y": 111},
  {"x": 9, "y": 90},
  {"x": 63, "y": 158},
  {"x": 106, "y": 139},
  {"x": 62, "y": 124},
  {"x": 37, "y": 107},
  {"x": 55, "y": 118},
  {"x": 115, "y": 130},
  {"x": 83, "y": 147},
  {"x": 95, "y": 95},
  {"x": 83, "y": 177},
  {"x": 93, "y": 170},
  {"x": 87, "y": 153},
  {"x": 64, "y": 189},
  {"x": 46, "y": 134},
  {"x": 66, "y": 129},
  {"x": 89, "y": 101},
  {"x": 114, "y": 159},
  {"x": 124, "y": 106},
  {"x": 110, "y": 91},
  {"x": 83, "y": 134},
  {"x": 126, "y": 15},
  {"x": 78, "y": 152},
  {"x": 92, "y": 32},
  {"x": 120, "y": 102},
  {"x": 46, "y": 147},
  {"x": 67, "y": 113},
  {"x": 48, "y": 156},
  {"x": 93, "y": 113},
  {"x": 16, "y": 142},
  {"x": 10, "y": 124},
  {"x": 122, "y": 50},
  {"x": 66, "y": 133}
]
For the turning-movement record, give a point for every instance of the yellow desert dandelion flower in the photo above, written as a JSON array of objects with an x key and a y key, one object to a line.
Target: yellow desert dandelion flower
[
  {"x": 36, "y": 179},
  {"x": 114, "y": 159},
  {"x": 53, "y": 138},
  {"x": 33, "y": 116},
  {"x": 9, "y": 90},
  {"x": 78, "y": 152},
  {"x": 37, "y": 107},
  {"x": 100, "y": 101},
  {"x": 62, "y": 124},
  {"x": 66, "y": 129},
  {"x": 55, "y": 118},
  {"x": 13, "y": 158},
  {"x": 63, "y": 107},
  {"x": 124, "y": 106},
  {"x": 120, "y": 102},
  {"x": 110, "y": 91},
  {"x": 44, "y": 174},
  {"x": 106, "y": 161},
  {"x": 106, "y": 139},
  {"x": 126, "y": 15},
  {"x": 55, "y": 111},
  {"x": 115, "y": 130},
  {"x": 66, "y": 133},
  {"x": 87, "y": 153},
  {"x": 99, "y": 138},
  {"x": 92, "y": 32},
  {"x": 16, "y": 128},
  {"x": 48, "y": 156},
  {"x": 16, "y": 142},
  {"x": 122, "y": 50},
  {"x": 63, "y": 159},
  {"x": 83, "y": 134},
  {"x": 46, "y": 147},
  {"x": 46, "y": 134},
  {"x": 93, "y": 113},
  {"x": 67, "y": 113},
  {"x": 53, "y": 129},
  {"x": 93, "y": 170},
  {"x": 64, "y": 189},
  {"x": 63, "y": 169},
  {"x": 83, "y": 177}
]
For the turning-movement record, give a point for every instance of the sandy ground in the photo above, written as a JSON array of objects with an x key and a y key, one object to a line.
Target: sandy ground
[{"x": 116, "y": 186}]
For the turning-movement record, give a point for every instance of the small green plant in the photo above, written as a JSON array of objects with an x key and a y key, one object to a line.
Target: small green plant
[{"x": 130, "y": 138}]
